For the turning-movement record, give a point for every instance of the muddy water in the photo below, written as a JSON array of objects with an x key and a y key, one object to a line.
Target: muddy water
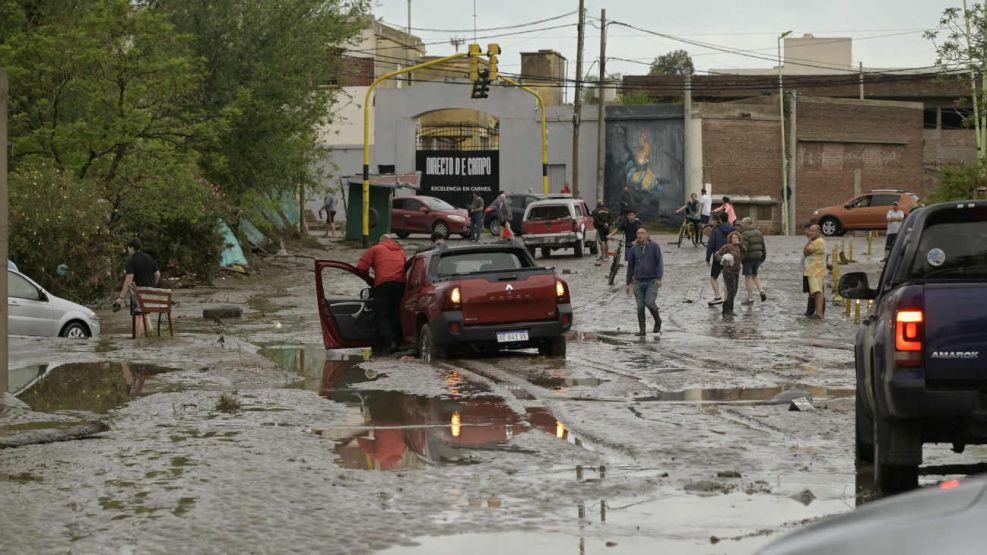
[
  {"x": 400, "y": 431},
  {"x": 93, "y": 387}
]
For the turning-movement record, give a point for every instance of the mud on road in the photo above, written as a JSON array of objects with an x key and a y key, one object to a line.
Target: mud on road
[{"x": 681, "y": 442}]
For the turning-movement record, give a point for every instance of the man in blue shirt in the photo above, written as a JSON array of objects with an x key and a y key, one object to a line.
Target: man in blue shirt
[{"x": 645, "y": 269}]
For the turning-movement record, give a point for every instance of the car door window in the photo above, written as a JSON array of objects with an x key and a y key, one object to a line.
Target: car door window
[
  {"x": 884, "y": 200},
  {"x": 416, "y": 275},
  {"x": 861, "y": 202},
  {"x": 398, "y": 204},
  {"x": 21, "y": 288}
]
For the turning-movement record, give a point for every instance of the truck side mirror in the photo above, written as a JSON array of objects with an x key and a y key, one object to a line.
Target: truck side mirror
[
  {"x": 854, "y": 285},
  {"x": 423, "y": 210}
]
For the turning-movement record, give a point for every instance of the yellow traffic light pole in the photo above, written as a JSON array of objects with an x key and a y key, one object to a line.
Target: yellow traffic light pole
[
  {"x": 366, "y": 134},
  {"x": 544, "y": 131}
]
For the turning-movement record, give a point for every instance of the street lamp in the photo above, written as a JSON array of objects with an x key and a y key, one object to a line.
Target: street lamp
[{"x": 784, "y": 158}]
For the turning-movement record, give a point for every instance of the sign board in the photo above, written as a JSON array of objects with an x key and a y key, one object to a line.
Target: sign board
[{"x": 453, "y": 175}]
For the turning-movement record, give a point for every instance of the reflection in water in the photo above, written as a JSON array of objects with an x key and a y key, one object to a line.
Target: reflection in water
[
  {"x": 402, "y": 431},
  {"x": 94, "y": 387},
  {"x": 782, "y": 393}
]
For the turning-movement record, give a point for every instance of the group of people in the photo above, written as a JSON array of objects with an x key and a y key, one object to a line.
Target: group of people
[{"x": 732, "y": 250}]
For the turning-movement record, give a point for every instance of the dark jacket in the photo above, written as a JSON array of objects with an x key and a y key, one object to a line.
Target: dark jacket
[
  {"x": 504, "y": 210},
  {"x": 717, "y": 238},
  {"x": 753, "y": 245},
  {"x": 644, "y": 262},
  {"x": 630, "y": 231},
  {"x": 477, "y": 206}
]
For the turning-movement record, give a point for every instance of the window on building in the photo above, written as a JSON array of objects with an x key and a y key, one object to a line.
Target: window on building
[
  {"x": 930, "y": 118},
  {"x": 764, "y": 212},
  {"x": 955, "y": 118}
]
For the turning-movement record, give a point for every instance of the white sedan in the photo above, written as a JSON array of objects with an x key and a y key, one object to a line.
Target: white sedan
[{"x": 33, "y": 311}]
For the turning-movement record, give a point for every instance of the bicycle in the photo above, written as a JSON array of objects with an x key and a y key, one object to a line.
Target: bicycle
[
  {"x": 615, "y": 265},
  {"x": 690, "y": 229}
]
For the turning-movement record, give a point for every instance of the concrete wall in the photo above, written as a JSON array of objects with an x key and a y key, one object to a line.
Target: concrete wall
[
  {"x": 946, "y": 146},
  {"x": 809, "y": 55},
  {"x": 543, "y": 71}
]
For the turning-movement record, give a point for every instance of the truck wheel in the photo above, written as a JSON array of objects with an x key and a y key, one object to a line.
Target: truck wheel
[
  {"x": 495, "y": 228},
  {"x": 830, "y": 226},
  {"x": 427, "y": 349},
  {"x": 594, "y": 248},
  {"x": 441, "y": 228},
  {"x": 554, "y": 347},
  {"x": 546, "y": 252},
  {"x": 890, "y": 477},
  {"x": 865, "y": 430},
  {"x": 578, "y": 249}
]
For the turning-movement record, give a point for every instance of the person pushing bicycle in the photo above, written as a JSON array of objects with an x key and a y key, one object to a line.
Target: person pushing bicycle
[{"x": 692, "y": 209}]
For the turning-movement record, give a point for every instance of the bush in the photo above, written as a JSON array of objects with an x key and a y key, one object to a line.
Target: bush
[
  {"x": 958, "y": 182},
  {"x": 56, "y": 219},
  {"x": 176, "y": 219}
]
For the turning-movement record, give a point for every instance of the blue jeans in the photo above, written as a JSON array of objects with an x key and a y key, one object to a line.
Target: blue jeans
[
  {"x": 645, "y": 293},
  {"x": 476, "y": 226}
]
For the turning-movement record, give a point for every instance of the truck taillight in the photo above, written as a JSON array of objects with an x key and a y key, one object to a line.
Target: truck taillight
[
  {"x": 561, "y": 292},
  {"x": 908, "y": 327},
  {"x": 453, "y": 299}
]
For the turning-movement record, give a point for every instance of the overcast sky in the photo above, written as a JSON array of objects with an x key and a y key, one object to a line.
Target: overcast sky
[{"x": 886, "y": 33}]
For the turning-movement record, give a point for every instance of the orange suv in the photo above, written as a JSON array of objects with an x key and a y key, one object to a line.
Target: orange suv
[{"x": 868, "y": 211}]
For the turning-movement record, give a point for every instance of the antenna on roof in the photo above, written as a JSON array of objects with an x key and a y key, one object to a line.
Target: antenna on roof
[{"x": 456, "y": 41}]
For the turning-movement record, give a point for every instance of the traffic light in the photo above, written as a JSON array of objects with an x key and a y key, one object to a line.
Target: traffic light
[
  {"x": 481, "y": 86},
  {"x": 474, "y": 55},
  {"x": 493, "y": 50}
]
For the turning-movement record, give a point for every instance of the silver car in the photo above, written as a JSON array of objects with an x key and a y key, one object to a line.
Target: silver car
[{"x": 33, "y": 311}]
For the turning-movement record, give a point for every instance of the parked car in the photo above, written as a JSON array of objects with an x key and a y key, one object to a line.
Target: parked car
[
  {"x": 559, "y": 223},
  {"x": 947, "y": 518},
  {"x": 421, "y": 214},
  {"x": 921, "y": 357},
  {"x": 33, "y": 311},
  {"x": 519, "y": 202},
  {"x": 480, "y": 297},
  {"x": 868, "y": 211}
]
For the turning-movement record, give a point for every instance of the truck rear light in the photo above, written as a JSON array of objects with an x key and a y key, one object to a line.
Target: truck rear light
[
  {"x": 908, "y": 334},
  {"x": 566, "y": 319},
  {"x": 454, "y": 327},
  {"x": 453, "y": 299},
  {"x": 561, "y": 292}
]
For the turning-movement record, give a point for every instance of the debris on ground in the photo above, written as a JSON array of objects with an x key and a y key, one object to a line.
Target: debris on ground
[
  {"x": 728, "y": 474},
  {"x": 802, "y": 404},
  {"x": 709, "y": 487},
  {"x": 804, "y": 497}
]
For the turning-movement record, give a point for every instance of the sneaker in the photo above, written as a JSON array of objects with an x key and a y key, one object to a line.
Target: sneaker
[
  {"x": 716, "y": 301},
  {"x": 763, "y": 297},
  {"x": 748, "y": 302}
]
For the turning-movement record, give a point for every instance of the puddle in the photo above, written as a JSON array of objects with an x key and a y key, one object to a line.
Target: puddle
[
  {"x": 83, "y": 386},
  {"x": 675, "y": 523},
  {"x": 778, "y": 394},
  {"x": 393, "y": 430},
  {"x": 558, "y": 382}
]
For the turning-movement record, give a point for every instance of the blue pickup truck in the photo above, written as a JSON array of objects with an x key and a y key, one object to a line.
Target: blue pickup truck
[{"x": 921, "y": 357}]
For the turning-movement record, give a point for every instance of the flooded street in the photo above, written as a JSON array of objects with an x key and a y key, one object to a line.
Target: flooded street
[{"x": 246, "y": 435}]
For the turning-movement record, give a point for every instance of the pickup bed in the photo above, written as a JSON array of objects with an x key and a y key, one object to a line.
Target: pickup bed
[
  {"x": 921, "y": 357},
  {"x": 479, "y": 297}
]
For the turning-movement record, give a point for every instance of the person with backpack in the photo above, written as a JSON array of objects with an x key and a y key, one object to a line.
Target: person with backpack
[
  {"x": 754, "y": 253},
  {"x": 601, "y": 221}
]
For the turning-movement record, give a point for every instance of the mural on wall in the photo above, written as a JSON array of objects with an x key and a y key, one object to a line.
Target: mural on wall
[{"x": 645, "y": 162}]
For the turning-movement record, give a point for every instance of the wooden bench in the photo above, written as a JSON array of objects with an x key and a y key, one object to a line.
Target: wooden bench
[{"x": 151, "y": 300}]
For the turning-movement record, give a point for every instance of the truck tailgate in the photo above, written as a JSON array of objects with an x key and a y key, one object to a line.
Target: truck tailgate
[
  {"x": 956, "y": 335},
  {"x": 538, "y": 227},
  {"x": 509, "y": 296}
]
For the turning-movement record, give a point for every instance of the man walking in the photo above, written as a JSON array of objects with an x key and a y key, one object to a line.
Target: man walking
[
  {"x": 387, "y": 260},
  {"x": 754, "y": 253},
  {"x": 895, "y": 217},
  {"x": 329, "y": 207},
  {"x": 814, "y": 271},
  {"x": 645, "y": 269},
  {"x": 707, "y": 205},
  {"x": 717, "y": 239},
  {"x": 601, "y": 221},
  {"x": 504, "y": 213},
  {"x": 476, "y": 216},
  {"x": 142, "y": 271}
]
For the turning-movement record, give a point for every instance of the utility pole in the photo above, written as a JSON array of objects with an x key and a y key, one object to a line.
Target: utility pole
[
  {"x": 4, "y": 230},
  {"x": 578, "y": 101},
  {"x": 861, "y": 80},
  {"x": 784, "y": 158},
  {"x": 601, "y": 111},
  {"x": 793, "y": 149},
  {"x": 409, "y": 17}
]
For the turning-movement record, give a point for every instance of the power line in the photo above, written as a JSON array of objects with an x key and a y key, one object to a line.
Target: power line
[{"x": 516, "y": 26}]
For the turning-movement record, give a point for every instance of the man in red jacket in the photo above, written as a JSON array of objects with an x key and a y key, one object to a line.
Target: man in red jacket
[{"x": 386, "y": 259}]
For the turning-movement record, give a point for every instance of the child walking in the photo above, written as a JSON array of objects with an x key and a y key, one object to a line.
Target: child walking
[{"x": 730, "y": 259}]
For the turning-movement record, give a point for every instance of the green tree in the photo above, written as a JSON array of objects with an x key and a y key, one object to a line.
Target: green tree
[
  {"x": 267, "y": 63},
  {"x": 961, "y": 45},
  {"x": 676, "y": 62},
  {"x": 958, "y": 182}
]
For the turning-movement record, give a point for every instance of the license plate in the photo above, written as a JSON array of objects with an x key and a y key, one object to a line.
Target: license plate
[{"x": 512, "y": 336}]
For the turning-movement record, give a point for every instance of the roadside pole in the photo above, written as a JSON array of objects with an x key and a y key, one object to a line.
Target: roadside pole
[
  {"x": 544, "y": 130},
  {"x": 601, "y": 111},
  {"x": 577, "y": 104},
  {"x": 4, "y": 229},
  {"x": 366, "y": 133}
]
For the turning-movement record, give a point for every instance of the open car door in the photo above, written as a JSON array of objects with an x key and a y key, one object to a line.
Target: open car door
[{"x": 346, "y": 320}]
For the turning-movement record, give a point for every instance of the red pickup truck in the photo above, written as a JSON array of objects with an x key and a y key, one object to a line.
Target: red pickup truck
[{"x": 478, "y": 297}]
